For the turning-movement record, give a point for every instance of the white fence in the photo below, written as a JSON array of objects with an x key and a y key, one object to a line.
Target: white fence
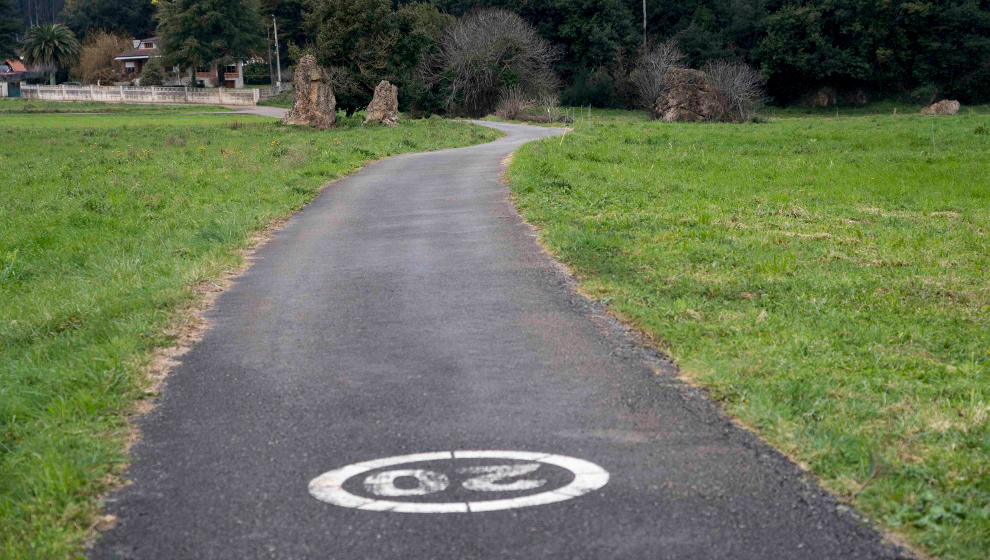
[{"x": 136, "y": 94}]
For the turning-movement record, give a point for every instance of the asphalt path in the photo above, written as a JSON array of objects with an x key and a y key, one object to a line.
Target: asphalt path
[{"x": 408, "y": 309}]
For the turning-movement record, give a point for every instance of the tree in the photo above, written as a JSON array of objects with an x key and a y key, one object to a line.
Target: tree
[
  {"x": 96, "y": 58},
  {"x": 353, "y": 39},
  {"x": 52, "y": 46},
  {"x": 10, "y": 28},
  {"x": 126, "y": 17},
  {"x": 487, "y": 53},
  {"x": 195, "y": 33},
  {"x": 153, "y": 74},
  {"x": 417, "y": 29}
]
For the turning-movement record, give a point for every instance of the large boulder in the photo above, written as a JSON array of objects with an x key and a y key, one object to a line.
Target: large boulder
[
  {"x": 315, "y": 104},
  {"x": 688, "y": 96},
  {"x": 943, "y": 107},
  {"x": 384, "y": 106}
]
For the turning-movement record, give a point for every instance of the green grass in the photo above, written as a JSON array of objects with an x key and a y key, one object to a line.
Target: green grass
[
  {"x": 106, "y": 224},
  {"x": 20, "y": 105},
  {"x": 826, "y": 279},
  {"x": 284, "y": 99}
]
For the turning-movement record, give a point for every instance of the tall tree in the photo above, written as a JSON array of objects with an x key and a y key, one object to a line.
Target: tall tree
[
  {"x": 51, "y": 45},
  {"x": 202, "y": 32},
  {"x": 10, "y": 28},
  {"x": 354, "y": 39},
  {"x": 128, "y": 17}
]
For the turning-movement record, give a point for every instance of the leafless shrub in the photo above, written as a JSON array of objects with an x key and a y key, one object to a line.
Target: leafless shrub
[
  {"x": 487, "y": 52},
  {"x": 512, "y": 104},
  {"x": 649, "y": 74},
  {"x": 96, "y": 58},
  {"x": 740, "y": 88}
]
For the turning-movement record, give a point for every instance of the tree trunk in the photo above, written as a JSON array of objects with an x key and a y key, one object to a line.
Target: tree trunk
[
  {"x": 51, "y": 79},
  {"x": 220, "y": 69}
]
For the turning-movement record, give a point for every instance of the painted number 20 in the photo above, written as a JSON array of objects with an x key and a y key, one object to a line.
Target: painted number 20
[{"x": 488, "y": 478}]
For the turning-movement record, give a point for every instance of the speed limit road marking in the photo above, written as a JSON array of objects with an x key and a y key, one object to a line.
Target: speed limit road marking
[{"x": 427, "y": 477}]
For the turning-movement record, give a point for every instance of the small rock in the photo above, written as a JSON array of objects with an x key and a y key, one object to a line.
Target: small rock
[
  {"x": 943, "y": 107},
  {"x": 315, "y": 103},
  {"x": 384, "y": 106}
]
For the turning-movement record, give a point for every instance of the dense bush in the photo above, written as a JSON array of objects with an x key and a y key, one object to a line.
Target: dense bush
[
  {"x": 153, "y": 74},
  {"x": 256, "y": 73},
  {"x": 592, "y": 88}
]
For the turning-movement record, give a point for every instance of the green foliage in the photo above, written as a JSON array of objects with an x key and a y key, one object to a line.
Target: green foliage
[
  {"x": 10, "y": 28},
  {"x": 108, "y": 224},
  {"x": 153, "y": 74},
  {"x": 417, "y": 29},
  {"x": 256, "y": 73},
  {"x": 52, "y": 45},
  {"x": 355, "y": 37},
  {"x": 196, "y": 33},
  {"x": 135, "y": 18},
  {"x": 825, "y": 278},
  {"x": 592, "y": 88}
]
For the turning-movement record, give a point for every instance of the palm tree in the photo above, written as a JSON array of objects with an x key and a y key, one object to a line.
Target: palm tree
[{"x": 50, "y": 45}]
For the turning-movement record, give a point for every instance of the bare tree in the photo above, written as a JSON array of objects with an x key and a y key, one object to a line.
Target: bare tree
[
  {"x": 650, "y": 73},
  {"x": 486, "y": 53},
  {"x": 740, "y": 86}
]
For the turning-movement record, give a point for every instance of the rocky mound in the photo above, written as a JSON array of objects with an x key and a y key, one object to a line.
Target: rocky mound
[
  {"x": 688, "y": 96},
  {"x": 943, "y": 107},
  {"x": 384, "y": 106},
  {"x": 315, "y": 104}
]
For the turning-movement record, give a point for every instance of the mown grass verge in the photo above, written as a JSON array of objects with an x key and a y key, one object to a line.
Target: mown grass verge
[
  {"x": 826, "y": 278},
  {"x": 106, "y": 224},
  {"x": 20, "y": 105}
]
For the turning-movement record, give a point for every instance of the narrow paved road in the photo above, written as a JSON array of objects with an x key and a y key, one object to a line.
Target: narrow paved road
[{"x": 408, "y": 309}]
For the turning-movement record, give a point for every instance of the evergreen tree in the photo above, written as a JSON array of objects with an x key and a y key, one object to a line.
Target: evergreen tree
[
  {"x": 153, "y": 74},
  {"x": 195, "y": 33},
  {"x": 127, "y": 17},
  {"x": 10, "y": 28}
]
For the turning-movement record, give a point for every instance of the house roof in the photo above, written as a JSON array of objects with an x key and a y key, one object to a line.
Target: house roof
[
  {"x": 15, "y": 65},
  {"x": 139, "y": 53}
]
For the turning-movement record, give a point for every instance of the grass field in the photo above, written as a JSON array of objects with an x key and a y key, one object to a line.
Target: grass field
[
  {"x": 21, "y": 105},
  {"x": 828, "y": 280},
  {"x": 106, "y": 224}
]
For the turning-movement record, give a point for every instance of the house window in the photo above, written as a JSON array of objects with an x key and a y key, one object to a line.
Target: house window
[
  {"x": 148, "y": 46},
  {"x": 202, "y": 69},
  {"x": 129, "y": 67},
  {"x": 231, "y": 69}
]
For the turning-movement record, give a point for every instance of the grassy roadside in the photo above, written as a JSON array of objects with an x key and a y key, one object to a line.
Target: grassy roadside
[
  {"x": 825, "y": 278},
  {"x": 106, "y": 222},
  {"x": 20, "y": 105}
]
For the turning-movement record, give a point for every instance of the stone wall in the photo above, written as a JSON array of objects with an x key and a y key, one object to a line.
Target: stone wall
[{"x": 134, "y": 94}]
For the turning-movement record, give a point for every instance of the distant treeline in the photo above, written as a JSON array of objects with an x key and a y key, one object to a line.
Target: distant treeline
[
  {"x": 909, "y": 49},
  {"x": 888, "y": 48}
]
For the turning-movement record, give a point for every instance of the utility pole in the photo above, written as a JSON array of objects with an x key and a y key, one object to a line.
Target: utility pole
[
  {"x": 278, "y": 60},
  {"x": 268, "y": 41},
  {"x": 644, "y": 23}
]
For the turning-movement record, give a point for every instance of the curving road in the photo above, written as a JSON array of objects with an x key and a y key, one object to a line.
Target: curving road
[{"x": 408, "y": 309}]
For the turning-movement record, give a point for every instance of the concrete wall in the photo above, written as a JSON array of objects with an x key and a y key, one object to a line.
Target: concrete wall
[{"x": 135, "y": 94}]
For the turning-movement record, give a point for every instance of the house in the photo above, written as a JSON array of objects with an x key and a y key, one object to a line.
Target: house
[
  {"x": 12, "y": 72},
  {"x": 145, "y": 49}
]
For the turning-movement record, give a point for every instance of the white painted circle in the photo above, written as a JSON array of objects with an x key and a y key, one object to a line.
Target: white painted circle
[{"x": 329, "y": 486}]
